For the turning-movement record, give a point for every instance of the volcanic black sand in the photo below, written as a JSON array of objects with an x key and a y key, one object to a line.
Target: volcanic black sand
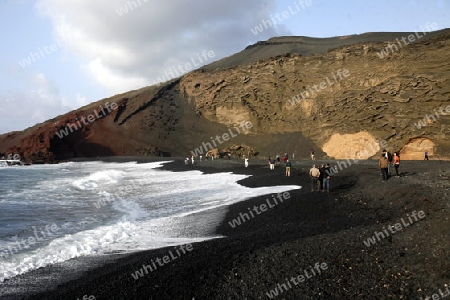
[{"x": 266, "y": 251}]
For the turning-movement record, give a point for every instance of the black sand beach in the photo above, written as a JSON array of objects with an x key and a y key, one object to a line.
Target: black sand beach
[{"x": 296, "y": 237}]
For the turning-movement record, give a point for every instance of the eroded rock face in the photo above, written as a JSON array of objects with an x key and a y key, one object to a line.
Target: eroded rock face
[
  {"x": 340, "y": 101},
  {"x": 416, "y": 148},
  {"x": 334, "y": 96},
  {"x": 241, "y": 151}
]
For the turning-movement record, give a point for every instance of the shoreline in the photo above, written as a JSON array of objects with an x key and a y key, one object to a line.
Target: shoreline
[{"x": 307, "y": 228}]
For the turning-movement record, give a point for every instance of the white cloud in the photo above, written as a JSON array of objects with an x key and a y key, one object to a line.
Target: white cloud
[
  {"x": 113, "y": 79},
  {"x": 39, "y": 101},
  {"x": 130, "y": 51},
  {"x": 81, "y": 101}
]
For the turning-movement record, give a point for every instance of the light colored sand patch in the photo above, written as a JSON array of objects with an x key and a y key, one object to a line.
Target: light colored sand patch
[
  {"x": 306, "y": 107},
  {"x": 361, "y": 145},
  {"x": 232, "y": 115},
  {"x": 416, "y": 148}
]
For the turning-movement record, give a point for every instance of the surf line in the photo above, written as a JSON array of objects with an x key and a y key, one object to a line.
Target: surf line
[{"x": 26, "y": 243}]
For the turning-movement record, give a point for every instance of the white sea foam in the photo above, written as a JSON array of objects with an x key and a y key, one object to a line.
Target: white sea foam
[
  {"x": 99, "y": 178},
  {"x": 147, "y": 209},
  {"x": 124, "y": 236}
]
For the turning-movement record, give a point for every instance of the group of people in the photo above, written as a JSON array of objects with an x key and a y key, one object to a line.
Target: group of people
[
  {"x": 320, "y": 178},
  {"x": 285, "y": 158},
  {"x": 277, "y": 161},
  {"x": 186, "y": 160},
  {"x": 386, "y": 161},
  {"x": 190, "y": 158}
]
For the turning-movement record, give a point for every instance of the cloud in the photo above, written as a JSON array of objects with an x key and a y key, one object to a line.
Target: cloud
[
  {"x": 128, "y": 51},
  {"x": 38, "y": 101}
]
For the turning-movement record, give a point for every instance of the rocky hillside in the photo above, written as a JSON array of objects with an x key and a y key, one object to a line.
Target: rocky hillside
[{"x": 344, "y": 97}]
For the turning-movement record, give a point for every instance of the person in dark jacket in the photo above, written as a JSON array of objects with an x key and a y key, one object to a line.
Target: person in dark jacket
[
  {"x": 322, "y": 172},
  {"x": 288, "y": 168},
  {"x": 383, "y": 163},
  {"x": 326, "y": 178}
]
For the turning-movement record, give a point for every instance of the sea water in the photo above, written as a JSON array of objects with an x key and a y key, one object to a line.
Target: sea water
[{"x": 53, "y": 213}]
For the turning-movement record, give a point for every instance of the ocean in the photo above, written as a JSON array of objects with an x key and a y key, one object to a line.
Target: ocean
[{"x": 52, "y": 213}]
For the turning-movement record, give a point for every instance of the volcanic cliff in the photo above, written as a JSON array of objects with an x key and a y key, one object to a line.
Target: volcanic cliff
[{"x": 344, "y": 97}]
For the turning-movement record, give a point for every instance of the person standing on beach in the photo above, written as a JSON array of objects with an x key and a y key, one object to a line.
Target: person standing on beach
[
  {"x": 321, "y": 176},
  {"x": 426, "y": 155},
  {"x": 385, "y": 153},
  {"x": 312, "y": 155},
  {"x": 326, "y": 178},
  {"x": 288, "y": 168},
  {"x": 396, "y": 163},
  {"x": 271, "y": 164},
  {"x": 246, "y": 162},
  {"x": 390, "y": 160},
  {"x": 314, "y": 174},
  {"x": 383, "y": 164}
]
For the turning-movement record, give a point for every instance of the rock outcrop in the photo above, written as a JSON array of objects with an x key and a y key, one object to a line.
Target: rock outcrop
[
  {"x": 342, "y": 102},
  {"x": 241, "y": 151}
]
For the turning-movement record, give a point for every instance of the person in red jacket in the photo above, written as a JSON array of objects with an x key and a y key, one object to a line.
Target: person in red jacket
[{"x": 396, "y": 163}]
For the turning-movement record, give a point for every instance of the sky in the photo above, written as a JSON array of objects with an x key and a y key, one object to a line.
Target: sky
[{"x": 58, "y": 55}]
